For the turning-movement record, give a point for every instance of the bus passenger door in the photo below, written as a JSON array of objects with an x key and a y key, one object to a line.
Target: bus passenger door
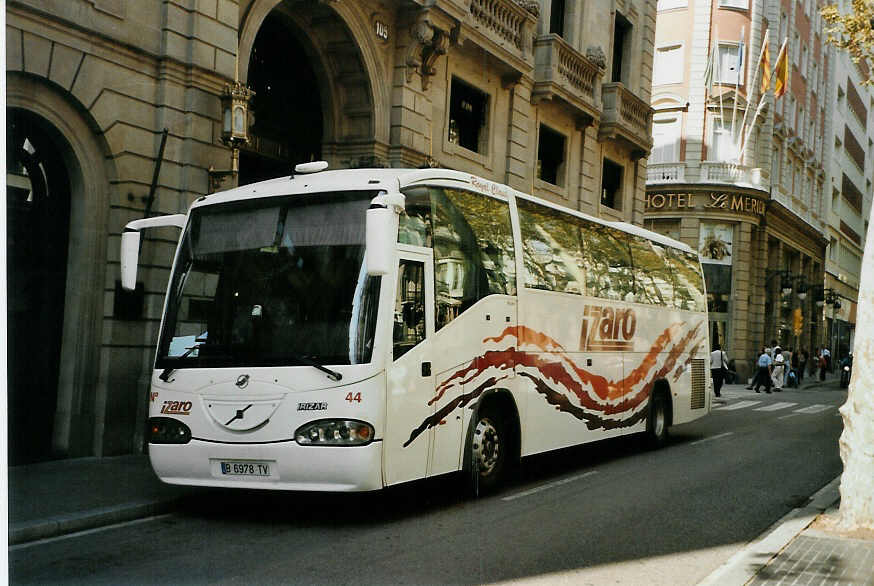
[{"x": 410, "y": 377}]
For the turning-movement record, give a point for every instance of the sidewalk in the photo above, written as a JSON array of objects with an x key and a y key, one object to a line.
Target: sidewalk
[{"x": 64, "y": 496}]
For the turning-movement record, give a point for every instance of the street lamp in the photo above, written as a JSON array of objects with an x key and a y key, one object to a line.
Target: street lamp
[
  {"x": 801, "y": 288},
  {"x": 235, "y": 129}
]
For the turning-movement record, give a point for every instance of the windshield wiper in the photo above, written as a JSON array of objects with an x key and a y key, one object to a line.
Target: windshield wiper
[
  {"x": 165, "y": 374},
  {"x": 332, "y": 374}
]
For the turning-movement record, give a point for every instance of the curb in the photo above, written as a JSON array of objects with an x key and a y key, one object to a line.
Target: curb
[
  {"x": 745, "y": 564},
  {"x": 71, "y": 523}
]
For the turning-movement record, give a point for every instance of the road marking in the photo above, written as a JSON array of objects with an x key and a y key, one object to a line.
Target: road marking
[
  {"x": 814, "y": 409},
  {"x": 775, "y": 407},
  {"x": 88, "y": 531},
  {"x": 739, "y": 405},
  {"x": 537, "y": 489},
  {"x": 715, "y": 437},
  {"x": 791, "y": 415}
]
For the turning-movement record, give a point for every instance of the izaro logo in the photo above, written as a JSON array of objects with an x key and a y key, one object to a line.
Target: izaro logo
[
  {"x": 176, "y": 407},
  {"x": 605, "y": 329}
]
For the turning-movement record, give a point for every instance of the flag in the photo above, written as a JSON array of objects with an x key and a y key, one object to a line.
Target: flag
[
  {"x": 781, "y": 72},
  {"x": 765, "y": 64},
  {"x": 710, "y": 71},
  {"x": 740, "y": 56}
]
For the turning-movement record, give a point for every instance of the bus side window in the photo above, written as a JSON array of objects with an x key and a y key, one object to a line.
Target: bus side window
[
  {"x": 552, "y": 252},
  {"x": 473, "y": 251},
  {"x": 608, "y": 259},
  {"x": 409, "y": 314},
  {"x": 688, "y": 282},
  {"x": 651, "y": 274}
]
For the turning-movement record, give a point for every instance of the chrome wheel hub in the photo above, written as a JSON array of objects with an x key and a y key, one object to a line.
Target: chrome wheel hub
[{"x": 486, "y": 446}]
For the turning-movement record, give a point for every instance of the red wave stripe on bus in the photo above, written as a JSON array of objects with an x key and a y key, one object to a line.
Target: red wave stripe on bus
[{"x": 591, "y": 409}]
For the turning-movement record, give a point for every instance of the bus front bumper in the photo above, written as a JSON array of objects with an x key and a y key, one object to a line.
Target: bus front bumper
[{"x": 274, "y": 466}]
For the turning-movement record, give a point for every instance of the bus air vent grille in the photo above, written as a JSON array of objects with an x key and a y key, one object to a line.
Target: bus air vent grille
[{"x": 699, "y": 383}]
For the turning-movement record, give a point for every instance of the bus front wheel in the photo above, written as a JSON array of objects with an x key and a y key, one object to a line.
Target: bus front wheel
[{"x": 489, "y": 448}]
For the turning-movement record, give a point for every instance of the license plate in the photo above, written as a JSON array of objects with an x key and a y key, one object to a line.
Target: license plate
[{"x": 245, "y": 468}]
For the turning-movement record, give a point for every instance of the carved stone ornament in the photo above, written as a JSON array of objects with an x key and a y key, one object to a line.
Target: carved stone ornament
[
  {"x": 595, "y": 54},
  {"x": 531, "y": 6},
  {"x": 428, "y": 43}
]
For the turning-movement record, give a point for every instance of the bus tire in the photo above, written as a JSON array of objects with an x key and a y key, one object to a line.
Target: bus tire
[
  {"x": 489, "y": 450},
  {"x": 657, "y": 420}
]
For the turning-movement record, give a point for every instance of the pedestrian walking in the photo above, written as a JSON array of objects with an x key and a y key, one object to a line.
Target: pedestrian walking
[
  {"x": 828, "y": 358},
  {"x": 763, "y": 376},
  {"x": 802, "y": 364},
  {"x": 718, "y": 368},
  {"x": 778, "y": 370},
  {"x": 787, "y": 360},
  {"x": 823, "y": 364},
  {"x": 794, "y": 364}
]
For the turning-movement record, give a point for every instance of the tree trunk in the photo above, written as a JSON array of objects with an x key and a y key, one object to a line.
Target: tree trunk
[{"x": 857, "y": 439}]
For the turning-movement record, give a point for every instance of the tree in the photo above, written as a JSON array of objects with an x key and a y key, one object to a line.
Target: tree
[{"x": 853, "y": 31}]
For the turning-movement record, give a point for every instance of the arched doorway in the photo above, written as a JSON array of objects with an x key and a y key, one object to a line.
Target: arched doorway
[
  {"x": 287, "y": 107},
  {"x": 321, "y": 90},
  {"x": 38, "y": 223}
]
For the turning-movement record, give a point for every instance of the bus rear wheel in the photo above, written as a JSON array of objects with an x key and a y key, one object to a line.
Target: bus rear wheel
[
  {"x": 657, "y": 421},
  {"x": 489, "y": 447}
]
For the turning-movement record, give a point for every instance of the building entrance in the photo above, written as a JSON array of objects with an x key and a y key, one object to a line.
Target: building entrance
[
  {"x": 287, "y": 107},
  {"x": 37, "y": 238}
]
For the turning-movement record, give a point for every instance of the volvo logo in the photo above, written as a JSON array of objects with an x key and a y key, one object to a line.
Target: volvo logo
[{"x": 242, "y": 381}]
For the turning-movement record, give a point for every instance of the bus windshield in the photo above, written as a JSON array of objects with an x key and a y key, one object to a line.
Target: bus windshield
[{"x": 271, "y": 282}]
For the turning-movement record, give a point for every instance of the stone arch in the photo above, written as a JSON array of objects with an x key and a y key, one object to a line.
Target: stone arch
[
  {"x": 90, "y": 174},
  {"x": 347, "y": 66}
]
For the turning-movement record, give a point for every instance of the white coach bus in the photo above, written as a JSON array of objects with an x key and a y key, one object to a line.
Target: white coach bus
[{"x": 354, "y": 329}]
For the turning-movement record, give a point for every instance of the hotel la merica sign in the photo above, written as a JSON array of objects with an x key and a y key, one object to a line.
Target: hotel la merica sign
[{"x": 711, "y": 200}]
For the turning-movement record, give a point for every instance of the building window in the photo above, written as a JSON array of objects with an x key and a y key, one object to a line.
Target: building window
[
  {"x": 468, "y": 116},
  {"x": 722, "y": 145},
  {"x": 556, "y": 17},
  {"x": 551, "y": 156},
  {"x": 729, "y": 64},
  {"x": 666, "y": 139},
  {"x": 621, "y": 47},
  {"x": 668, "y": 64},
  {"x": 611, "y": 185}
]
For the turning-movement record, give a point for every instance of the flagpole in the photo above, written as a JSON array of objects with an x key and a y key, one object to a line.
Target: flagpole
[
  {"x": 740, "y": 65},
  {"x": 717, "y": 73},
  {"x": 752, "y": 125},
  {"x": 752, "y": 85}
]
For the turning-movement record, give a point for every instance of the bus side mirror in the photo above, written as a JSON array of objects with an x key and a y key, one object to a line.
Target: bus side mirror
[
  {"x": 130, "y": 244},
  {"x": 130, "y": 252},
  {"x": 382, "y": 232}
]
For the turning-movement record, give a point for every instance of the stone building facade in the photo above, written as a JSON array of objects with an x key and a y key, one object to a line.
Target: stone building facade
[
  {"x": 114, "y": 112},
  {"x": 850, "y": 169},
  {"x": 744, "y": 184}
]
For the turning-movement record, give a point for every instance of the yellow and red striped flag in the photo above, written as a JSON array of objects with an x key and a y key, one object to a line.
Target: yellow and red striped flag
[{"x": 781, "y": 72}]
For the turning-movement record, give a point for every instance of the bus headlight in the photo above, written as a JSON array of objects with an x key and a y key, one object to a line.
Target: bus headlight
[
  {"x": 334, "y": 432},
  {"x": 164, "y": 430}
]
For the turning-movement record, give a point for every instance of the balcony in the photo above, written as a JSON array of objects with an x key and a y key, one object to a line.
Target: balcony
[
  {"x": 625, "y": 117},
  {"x": 505, "y": 28},
  {"x": 731, "y": 173},
  {"x": 712, "y": 172},
  {"x": 563, "y": 72},
  {"x": 666, "y": 173}
]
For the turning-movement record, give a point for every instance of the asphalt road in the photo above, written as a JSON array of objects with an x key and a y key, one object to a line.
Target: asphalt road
[{"x": 605, "y": 512}]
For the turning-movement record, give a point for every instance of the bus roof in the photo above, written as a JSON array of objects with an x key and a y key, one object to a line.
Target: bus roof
[{"x": 394, "y": 179}]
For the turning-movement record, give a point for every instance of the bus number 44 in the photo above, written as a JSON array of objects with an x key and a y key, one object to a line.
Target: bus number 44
[{"x": 356, "y": 397}]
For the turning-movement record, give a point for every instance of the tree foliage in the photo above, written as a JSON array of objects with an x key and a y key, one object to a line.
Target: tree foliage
[{"x": 853, "y": 31}]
